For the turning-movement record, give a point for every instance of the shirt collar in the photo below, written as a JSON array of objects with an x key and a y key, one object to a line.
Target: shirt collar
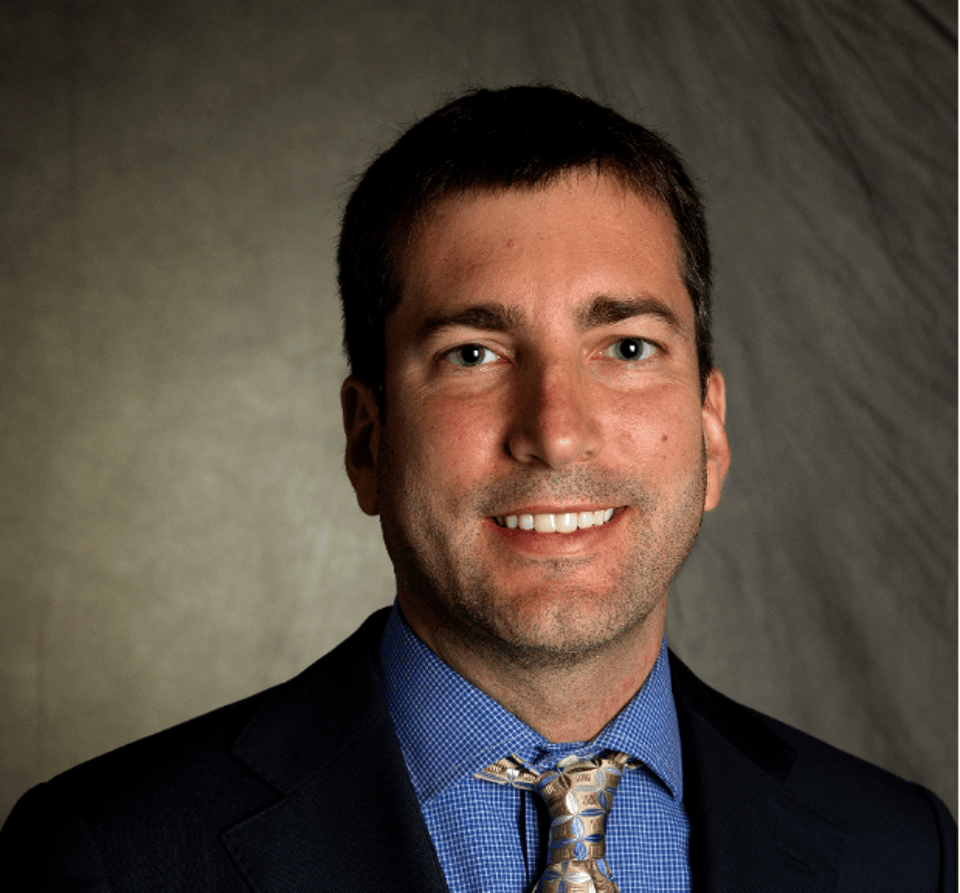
[{"x": 449, "y": 729}]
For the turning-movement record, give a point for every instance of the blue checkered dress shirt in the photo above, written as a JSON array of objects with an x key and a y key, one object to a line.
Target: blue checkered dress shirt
[{"x": 492, "y": 839}]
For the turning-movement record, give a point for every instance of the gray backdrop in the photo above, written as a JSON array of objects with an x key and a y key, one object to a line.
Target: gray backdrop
[{"x": 175, "y": 527}]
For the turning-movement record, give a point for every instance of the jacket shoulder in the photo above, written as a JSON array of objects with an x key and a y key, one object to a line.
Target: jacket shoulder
[
  {"x": 169, "y": 796},
  {"x": 881, "y": 820}
]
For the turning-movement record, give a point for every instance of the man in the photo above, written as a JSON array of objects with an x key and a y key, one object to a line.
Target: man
[{"x": 534, "y": 414}]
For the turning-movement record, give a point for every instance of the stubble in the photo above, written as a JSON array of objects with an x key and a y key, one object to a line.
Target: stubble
[{"x": 562, "y": 620}]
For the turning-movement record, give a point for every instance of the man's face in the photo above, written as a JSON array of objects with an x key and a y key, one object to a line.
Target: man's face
[{"x": 541, "y": 371}]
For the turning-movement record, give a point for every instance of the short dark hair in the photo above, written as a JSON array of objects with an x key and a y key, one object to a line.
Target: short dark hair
[{"x": 517, "y": 137}]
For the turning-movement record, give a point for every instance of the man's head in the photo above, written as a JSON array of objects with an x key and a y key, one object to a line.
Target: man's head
[
  {"x": 530, "y": 351},
  {"x": 491, "y": 140}
]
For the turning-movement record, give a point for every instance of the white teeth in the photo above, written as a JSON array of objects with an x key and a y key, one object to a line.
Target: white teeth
[
  {"x": 564, "y": 522},
  {"x": 545, "y": 523}
]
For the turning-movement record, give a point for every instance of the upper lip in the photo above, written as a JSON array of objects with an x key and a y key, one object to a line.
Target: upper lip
[
  {"x": 554, "y": 511},
  {"x": 547, "y": 510}
]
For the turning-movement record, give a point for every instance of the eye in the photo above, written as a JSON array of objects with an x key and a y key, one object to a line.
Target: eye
[
  {"x": 472, "y": 355},
  {"x": 630, "y": 349}
]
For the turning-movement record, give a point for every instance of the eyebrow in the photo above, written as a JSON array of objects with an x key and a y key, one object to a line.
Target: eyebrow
[
  {"x": 495, "y": 317},
  {"x": 485, "y": 317},
  {"x": 604, "y": 311}
]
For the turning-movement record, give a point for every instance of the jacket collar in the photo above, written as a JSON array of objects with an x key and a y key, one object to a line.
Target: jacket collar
[{"x": 747, "y": 830}]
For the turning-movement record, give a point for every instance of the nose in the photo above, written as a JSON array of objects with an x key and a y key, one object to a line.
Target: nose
[{"x": 553, "y": 421}]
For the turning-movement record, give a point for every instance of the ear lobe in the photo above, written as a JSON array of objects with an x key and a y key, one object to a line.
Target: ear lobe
[
  {"x": 361, "y": 424},
  {"x": 716, "y": 447}
]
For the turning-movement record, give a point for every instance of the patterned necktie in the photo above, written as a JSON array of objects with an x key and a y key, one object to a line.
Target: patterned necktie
[{"x": 579, "y": 794}]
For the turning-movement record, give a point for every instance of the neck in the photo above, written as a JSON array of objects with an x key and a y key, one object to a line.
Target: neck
[{"x": 569, "y": 700}]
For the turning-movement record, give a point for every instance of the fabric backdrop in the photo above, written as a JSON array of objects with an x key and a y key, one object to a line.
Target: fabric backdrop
[{"x": 176, "y": 530}]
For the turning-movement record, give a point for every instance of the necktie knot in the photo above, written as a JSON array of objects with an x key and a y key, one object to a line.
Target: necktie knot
[{"x": 579, "y": 795}]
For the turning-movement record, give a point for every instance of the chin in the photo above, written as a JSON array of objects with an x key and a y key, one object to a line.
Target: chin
[{"x": 561, "y": 630}]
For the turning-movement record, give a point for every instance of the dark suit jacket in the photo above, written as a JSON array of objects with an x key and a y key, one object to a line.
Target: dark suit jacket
[{"x": 303, "y": 787}]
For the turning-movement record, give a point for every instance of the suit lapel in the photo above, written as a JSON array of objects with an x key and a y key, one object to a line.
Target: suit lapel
[
  {"x": 348, "y": 818},
  {"x": 748, "y": 832}
]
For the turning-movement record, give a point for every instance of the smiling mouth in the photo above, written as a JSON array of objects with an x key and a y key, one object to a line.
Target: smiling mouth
[{"x": 561, "y": 522}]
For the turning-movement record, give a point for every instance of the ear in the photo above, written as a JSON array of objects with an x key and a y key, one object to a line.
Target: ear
[
  {"x": 715, "y": 443},
  {"x": 361, "y": 424}
]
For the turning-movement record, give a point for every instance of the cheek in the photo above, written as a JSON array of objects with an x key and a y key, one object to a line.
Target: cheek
[
  {"x": 657, "y": 433},
  {"x": 449, "y": 440}
]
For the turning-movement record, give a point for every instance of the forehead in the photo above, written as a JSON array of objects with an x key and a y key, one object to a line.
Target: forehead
[{"x": 584, "y": 236}]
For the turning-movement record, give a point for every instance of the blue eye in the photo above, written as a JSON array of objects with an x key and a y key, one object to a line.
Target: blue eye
[
  {"x": 630, "y": 349},
  {"x": 472, "y": 355}
]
